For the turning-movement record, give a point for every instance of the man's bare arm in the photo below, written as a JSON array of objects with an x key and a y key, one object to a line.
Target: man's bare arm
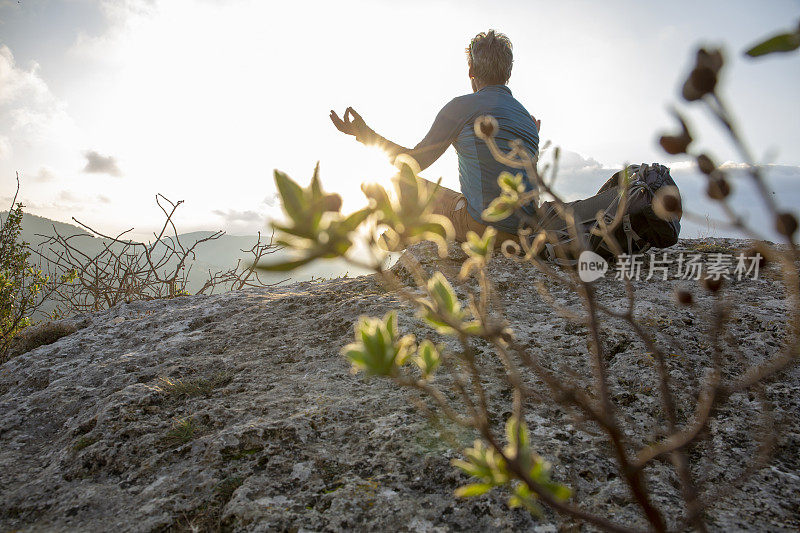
[{"x": 425, "y": 153}]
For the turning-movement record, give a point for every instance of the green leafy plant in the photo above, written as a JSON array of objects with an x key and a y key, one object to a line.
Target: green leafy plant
[
  {"x": 316, "y": 229},
  {"x": 378, "y": 349},
  {"x": 512, "y": 197},
  {"x": 491, "y": 468},
  {"x": 781, "y": 42},
  {"x": 21, "y": 284}
]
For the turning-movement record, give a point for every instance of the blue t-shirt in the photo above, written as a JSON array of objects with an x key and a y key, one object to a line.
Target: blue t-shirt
[{"x": 477, "y": 168}]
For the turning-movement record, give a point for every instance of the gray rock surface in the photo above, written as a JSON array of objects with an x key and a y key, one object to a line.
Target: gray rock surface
[{"x": 237, "y": 412}]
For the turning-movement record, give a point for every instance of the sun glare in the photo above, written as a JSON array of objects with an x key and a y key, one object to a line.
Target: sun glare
[{"x": 362, "y": 164}]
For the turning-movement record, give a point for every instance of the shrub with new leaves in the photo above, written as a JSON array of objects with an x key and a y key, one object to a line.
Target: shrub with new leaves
[
  {"x": 20, "y": 283},
  {"x": 512, "y": 197},
  {"x": 379, "y": 349},
  {"x": 317, "y": 229},
  {"x": 313, "y": 226},
  {"x": 491, "y": 468}
]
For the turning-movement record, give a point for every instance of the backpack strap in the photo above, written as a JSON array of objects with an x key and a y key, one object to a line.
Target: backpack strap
[
  {"x": 553, "y": 258},
  {"x": 633, "y": 237}
]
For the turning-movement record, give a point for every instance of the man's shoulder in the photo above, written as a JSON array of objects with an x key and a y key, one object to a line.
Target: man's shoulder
[
  {"x": 463, "y": 101},
  {"x": 460, "y": 109}
]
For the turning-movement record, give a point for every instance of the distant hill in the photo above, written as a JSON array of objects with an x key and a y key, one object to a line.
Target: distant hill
[{"x": 34, "y": 224}]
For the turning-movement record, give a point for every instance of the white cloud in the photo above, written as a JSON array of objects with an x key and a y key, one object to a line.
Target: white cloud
[
  {"x": 123, "y": 18},
  {"x": 271, "y": 199},
  {"x": 44, "y": 174},
  {"x": 677, "y": 166},
  {"x": 244, "y": 221},
  {"x": 233, "y": 216},
  {"x": 24, "y": 95},
  {"x": 34, "y": 120},
  {"x": 578, "y": 176},
  {"x": 5, "y": 148},
  {"x": 730, "y": 165},
  {"x": 16, "y": 81},
  {"x": 574, "y": 162},
  {"x": 101, "y": 164},
  {"x": 68, "y": 196}
]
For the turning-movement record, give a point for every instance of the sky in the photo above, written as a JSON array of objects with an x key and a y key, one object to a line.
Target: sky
[{"x": 105, "y": 103}]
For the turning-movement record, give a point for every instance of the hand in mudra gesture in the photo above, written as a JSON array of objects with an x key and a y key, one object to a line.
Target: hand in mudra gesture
[
  {"x": 352, "y": 124},
  {"x": 538, "y": 123}
]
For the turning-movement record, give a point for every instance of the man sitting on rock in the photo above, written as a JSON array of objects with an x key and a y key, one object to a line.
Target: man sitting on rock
[{"x": 490, "y": 59}]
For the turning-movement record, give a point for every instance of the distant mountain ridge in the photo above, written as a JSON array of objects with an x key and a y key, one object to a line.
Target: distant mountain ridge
[{"x": 34, "y": 224}]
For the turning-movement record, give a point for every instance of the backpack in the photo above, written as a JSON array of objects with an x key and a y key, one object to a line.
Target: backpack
[{"x": 640, "y": 228}]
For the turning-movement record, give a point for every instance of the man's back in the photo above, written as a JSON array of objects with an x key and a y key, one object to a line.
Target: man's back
[{"x": 477, "y": 168}]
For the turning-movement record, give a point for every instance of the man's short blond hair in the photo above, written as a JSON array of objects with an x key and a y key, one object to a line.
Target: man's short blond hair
[{"x": 490, "y": 57}]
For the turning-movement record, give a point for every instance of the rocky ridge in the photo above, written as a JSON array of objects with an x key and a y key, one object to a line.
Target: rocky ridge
[{"x": 237, "y": 412}]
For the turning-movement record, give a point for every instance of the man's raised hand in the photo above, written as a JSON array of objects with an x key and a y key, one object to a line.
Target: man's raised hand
[
  {"x": 537, "y": 122},
  {"x": 352, "y": 124}
]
